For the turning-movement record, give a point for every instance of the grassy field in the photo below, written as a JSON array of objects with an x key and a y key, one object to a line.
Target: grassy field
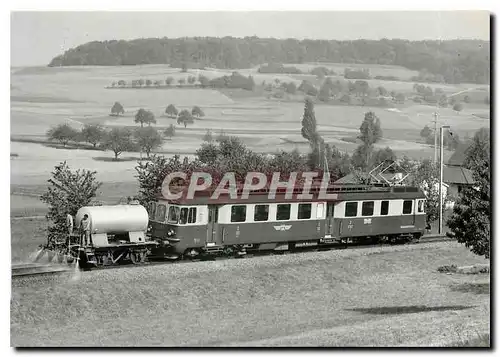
[{"x": 389, "y": 296}]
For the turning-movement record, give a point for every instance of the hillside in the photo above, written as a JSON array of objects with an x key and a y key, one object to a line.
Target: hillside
[{"x": 454, "y": 61}]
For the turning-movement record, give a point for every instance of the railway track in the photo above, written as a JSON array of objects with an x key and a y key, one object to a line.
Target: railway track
[{"x": 36, "y": 269}]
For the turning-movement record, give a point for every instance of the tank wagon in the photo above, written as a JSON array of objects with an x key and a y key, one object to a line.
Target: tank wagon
[
  {"x": 356, "y": 214},
  {"x": 118, "y": 234}
]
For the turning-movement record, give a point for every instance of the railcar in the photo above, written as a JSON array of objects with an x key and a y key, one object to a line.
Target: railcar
[{"x": 228, "y": 226}]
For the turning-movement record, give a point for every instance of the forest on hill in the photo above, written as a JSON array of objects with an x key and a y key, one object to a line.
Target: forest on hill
[{"x": 452, "y": 61}]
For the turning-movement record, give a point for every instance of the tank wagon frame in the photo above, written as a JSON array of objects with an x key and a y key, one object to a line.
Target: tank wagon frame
[{"x": 356, "y": 214}]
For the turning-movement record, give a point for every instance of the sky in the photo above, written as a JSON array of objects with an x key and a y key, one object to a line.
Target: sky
[{"x": 37, "y": 37}]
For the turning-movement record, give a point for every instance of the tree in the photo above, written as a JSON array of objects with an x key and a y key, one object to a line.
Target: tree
[
  {"x": 425, "y": 132},
  {"x": 324, "y": 93},
  {"x": 370, "y": 129},
  {"x": 208, "y": 136},
  {"x": 466, "y": 99},
  {"x": 117, "y": 109},
  {"x": 382, "y": 91},
  {"x": 171, "y": 111},
  {"x": 204, "y": 81},
  {"x": 310, "y": 133},
  {"x": 191, "y": 79},
  {"x": 68, "y": 192},
  {"x": 118, "y": 140},
  {"x": 400, "y": 98},
  {"x": 122, "y": 83},
  {"x": 184, "y": 68},
  {"x": 197, "y": 112},
  {"x": 148, "y": 82},
  {"x": 458, "y": 107},
  {"x": 346, "y": 98},
  {"x": 471, "y": 218},
  {"x": 170, "y": 131},
  {"x": 92, "y": 133},
  {"x": 181, "y": 81},
  {"x": 185, "y": 118},
  {"x": 140, "y": 82},
  {"x": 64, "y": 133},
  {"x": 383, "y": 155},
  {"x": 169, "y": 81},
  {"x": 291, "y": 88},
  {"x": 148, "y": 139},
  {"x": 426, "y": 176},
  {"x": 144, "y": 116}
]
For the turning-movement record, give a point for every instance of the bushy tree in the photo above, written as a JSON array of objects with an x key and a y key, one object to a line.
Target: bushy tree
[
  {"x": 64, "y": 133},
  {"x": 118, "y": 140},
  {"x": 144, "y": 116},
  {"x": 171, "y": 111},
  {"x": 425, "y": 132},
  {"x": 140, "y": 82},
  {"x": 122, "y": 83},
  {"x": 208, "y": 137},
  {"x": 185, "y": 118},
  {"x": 117, "y": 109},
  {"x": 370, "y": 129},
  {"x": 197, "y": 112},
  {"x": 221, "y": 136},
  {"x": 148, "y": 139},
  {"x": 68, "y": 191},
  {"x": 191, "y": 79},
  {"x": 204, "y": 81},
  {"x": 471, "y": 218},
  {"x": 148, "y": 82},
  {"x": 93, "y": 134},
  {"x": 181, "y": 81},
  {"x": 458, "y": 107},
  {"x": 170, "y": 131},
  {"x": 169, "y": 81}
]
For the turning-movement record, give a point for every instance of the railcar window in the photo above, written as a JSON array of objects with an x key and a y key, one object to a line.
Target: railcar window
[
  {"x": 407, "y": 207},
  {"x": 160, "y": 212},
  {"x": 367, "y": 208},
  {"x": 192, "y": 215},
  {"x": 173, "y": 214},
  {"x": 421, "y": 206},
  {"x": 261, "y": 213},
  {"x": 304, "y": 211},
  {"x": 384, "y": 208},
  {"x": 283, "y": 212},
  {"x": 351, "y": 209},
  {"x": 152, "y": 209},
  {"x": 183, "y": 216},
  {"x": 238, "y": 213}
]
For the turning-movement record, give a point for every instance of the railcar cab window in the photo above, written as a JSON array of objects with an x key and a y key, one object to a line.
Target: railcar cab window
[
  {"x": 351, "y": 209},
  {"x": 304, "y": 211},
  {"x": 261, "y": 213},
  {"x": 192, "y": 215},
  {"x": 173, "y": 214},
  {"x": 367, "y": 208},
  {"x": 407, "y": 207},
  {"x": 238, "y": 213},
  {"x": 160, "y": 212},
  {"x": 184, "y": 215},
  {"x": 152, "y": 210},
  {"x": 421, "y": 206},
  {"x": 283, "y": 212}
]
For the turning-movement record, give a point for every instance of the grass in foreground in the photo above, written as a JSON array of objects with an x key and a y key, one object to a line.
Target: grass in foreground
[{"x": 482, "y": 340}]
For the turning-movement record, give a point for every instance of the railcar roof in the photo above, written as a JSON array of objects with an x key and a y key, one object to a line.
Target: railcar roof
[{"x": 338, "y": 193}]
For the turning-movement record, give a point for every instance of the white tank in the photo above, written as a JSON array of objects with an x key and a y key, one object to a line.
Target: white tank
[{"x": 114, "y": 219}]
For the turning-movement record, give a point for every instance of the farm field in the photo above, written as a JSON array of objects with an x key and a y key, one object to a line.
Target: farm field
[
  {"x": 42, "y": 97},
  {"x": 333, "y": 298}
]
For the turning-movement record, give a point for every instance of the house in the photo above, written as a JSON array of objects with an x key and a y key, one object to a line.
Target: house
[{"x": 455, "y": 175}]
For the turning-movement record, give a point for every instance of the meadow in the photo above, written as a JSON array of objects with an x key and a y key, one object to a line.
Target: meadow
[{"x": 363, "y": 297}]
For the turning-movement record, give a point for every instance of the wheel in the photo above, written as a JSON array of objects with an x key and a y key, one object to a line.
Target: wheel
[{"x": 134, "y": 258}]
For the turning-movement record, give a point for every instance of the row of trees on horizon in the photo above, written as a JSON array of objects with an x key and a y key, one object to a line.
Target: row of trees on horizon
[{"x": 437, "y": 58}]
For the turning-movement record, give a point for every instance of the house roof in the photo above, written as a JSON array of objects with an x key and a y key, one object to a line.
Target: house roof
[
  {"x": 458, "y": 157},
  {"x": 457, "y": 175}
]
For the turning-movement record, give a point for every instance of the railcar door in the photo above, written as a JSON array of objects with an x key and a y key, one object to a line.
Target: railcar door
[
  {"x": 330, "y": 208},
  {"x": 213, "y": 228}
]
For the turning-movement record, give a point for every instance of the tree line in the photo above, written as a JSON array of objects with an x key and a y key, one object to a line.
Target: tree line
[{"x": 435, "y": 57}]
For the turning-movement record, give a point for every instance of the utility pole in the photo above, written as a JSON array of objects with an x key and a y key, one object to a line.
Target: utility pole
[
  {"x": 435, "y": 137},
  {"x": 441, "y": 129}
]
